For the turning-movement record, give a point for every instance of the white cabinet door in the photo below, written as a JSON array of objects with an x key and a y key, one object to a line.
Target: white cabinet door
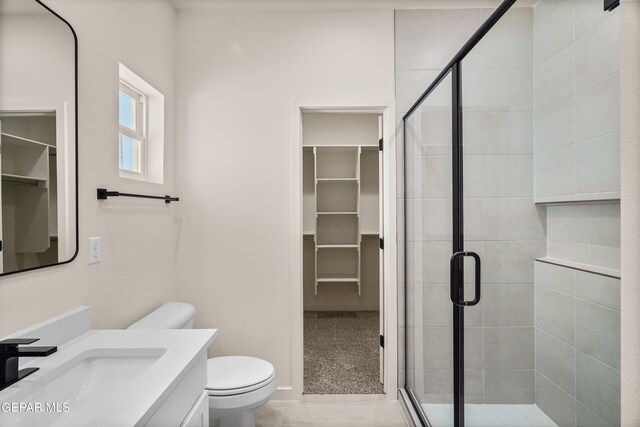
[{"x": 199, "y": 414}]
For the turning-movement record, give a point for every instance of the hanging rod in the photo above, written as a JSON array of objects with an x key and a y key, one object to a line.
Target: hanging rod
[{"x": 103, "y": 194}]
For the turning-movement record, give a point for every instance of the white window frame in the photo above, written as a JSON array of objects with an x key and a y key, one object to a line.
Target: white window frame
[
  {"x": 140, "y": 125},
  {"x": 153, "y": 128}
]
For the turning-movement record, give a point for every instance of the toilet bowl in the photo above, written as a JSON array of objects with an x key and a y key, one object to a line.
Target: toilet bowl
[{"x": 236, "y": 385}]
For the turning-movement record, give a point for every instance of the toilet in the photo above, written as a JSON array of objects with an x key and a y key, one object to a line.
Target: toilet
[{"x": 237, "y": 385}]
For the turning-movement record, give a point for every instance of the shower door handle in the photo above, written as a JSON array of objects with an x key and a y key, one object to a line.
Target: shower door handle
[{"x": 456, "y": 264}]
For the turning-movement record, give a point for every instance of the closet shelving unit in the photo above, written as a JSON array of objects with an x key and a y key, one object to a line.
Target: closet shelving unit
[
  {"x": 27, "y": 178},
  {"x": 25, "y": 160},
  {"x": 337, "y": 213}
]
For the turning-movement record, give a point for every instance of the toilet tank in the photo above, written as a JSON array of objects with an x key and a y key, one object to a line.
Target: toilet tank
[{"x": 172, "y": 315}]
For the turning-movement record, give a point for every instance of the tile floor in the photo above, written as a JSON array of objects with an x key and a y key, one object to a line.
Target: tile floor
[
  {"x": 342, "y": 352},
  {"x": 332, "y": 410}
]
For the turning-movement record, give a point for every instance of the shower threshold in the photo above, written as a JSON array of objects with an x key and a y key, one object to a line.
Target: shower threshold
[{"x": 482, "y": 415}]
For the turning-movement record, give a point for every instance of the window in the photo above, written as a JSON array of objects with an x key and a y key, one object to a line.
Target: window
[
  {"x": 141, "y": 122},
  {"x": 132, "y": 119}
]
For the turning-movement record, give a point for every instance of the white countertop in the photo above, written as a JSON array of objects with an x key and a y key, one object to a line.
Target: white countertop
[{"x": 135, "y": 404}]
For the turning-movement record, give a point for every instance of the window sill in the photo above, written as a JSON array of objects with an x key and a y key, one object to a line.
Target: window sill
[{"x": 136, "y": 177}]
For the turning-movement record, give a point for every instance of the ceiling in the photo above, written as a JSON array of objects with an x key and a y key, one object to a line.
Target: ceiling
[{"x": 338, "y": 4}]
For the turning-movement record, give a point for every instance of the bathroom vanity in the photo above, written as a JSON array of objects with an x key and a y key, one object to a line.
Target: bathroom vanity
[{"x": 113, "y": 378}]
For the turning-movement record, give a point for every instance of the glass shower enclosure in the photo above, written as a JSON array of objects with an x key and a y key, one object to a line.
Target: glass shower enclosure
[{"x": 475, "y": 223}]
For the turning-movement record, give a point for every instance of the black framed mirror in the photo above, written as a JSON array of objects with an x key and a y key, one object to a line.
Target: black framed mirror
[{"x": 39, "y": 137}]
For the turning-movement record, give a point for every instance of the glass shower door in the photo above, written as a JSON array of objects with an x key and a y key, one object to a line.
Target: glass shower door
[
  {"x": 448, "y": 174},
  {"x": 503, "y": 328},
  {"x": 428, "y": 248},
  {"x": 502, "y": 224}
]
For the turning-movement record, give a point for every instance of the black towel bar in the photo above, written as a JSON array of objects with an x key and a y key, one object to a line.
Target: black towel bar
[{"x": 103, "y": 194}]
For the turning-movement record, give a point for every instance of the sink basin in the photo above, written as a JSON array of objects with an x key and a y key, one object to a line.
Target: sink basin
[
  {"x": 76, "y": 388},
  {"x": 112, "y": 378}
]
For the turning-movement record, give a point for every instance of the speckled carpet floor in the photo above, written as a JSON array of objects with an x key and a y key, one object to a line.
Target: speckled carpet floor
[{"x": 341, "y": 352}]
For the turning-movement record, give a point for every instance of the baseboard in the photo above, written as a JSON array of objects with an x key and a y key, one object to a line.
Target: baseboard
[{"x": 286, "y": 393}]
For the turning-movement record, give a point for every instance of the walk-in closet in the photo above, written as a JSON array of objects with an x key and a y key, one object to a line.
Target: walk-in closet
[{"x": 342, "y": 252}]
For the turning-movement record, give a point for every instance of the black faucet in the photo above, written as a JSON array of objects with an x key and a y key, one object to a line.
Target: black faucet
[{"x": 9, "y": 354}]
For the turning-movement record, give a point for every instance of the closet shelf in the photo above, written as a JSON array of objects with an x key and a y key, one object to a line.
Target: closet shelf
[
  {"x": 311, "y": 147},
  {"x": 337, "y": 213},
  {"x": 23, "y": 179},
  {"x": 337, "y": 179},
  {"x": 342, "y": 193},
  {"x": 16, "y": 140},
  {"x": 338, "y": 280}
]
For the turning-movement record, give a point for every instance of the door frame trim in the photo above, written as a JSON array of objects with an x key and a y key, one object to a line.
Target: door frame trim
[{"x": 386, "y": 107}]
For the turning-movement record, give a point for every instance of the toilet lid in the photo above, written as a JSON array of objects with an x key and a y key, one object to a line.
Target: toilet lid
[{"x": 230, "y": 375}]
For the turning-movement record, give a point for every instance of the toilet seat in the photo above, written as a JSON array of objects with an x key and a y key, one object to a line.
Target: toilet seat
[{"x": 234, "y": 375}]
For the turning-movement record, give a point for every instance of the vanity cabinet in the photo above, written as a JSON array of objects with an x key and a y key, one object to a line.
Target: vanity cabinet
[
  {"x": 184, "y": 405},
  {"x": 28, "y": 192},
  {"x": 199, "y": 414}
]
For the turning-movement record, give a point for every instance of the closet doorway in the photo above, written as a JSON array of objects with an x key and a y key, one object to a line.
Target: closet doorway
[{"x": 342, "y": 252}]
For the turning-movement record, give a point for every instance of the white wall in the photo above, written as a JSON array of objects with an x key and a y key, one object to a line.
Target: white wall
[
  {"x": 137, "y": 272},
  {"x": 238, "y": 73},
  {"x": 46, "y": 74},
  {"x": 630, "y": 209}
]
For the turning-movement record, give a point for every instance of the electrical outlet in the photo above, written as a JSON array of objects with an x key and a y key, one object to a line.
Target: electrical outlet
[{"x": 95, "y": 250}]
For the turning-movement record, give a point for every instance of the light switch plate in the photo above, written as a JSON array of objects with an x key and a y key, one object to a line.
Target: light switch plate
[{"x": 95, "y": 250}]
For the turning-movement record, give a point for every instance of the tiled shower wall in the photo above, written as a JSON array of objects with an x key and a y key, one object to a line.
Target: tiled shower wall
[
  {"x": 502, "y": 222},
  {"x": 572, "y": 115},
  {"x": 577, "y": 158},
  {"x": 421, "y": 53},
  {"x": 585, "y": 233},
  {"x": 577, "y": 346},
  {"x": 577, "y": 101},
  {"x": 578, "y": 316}
]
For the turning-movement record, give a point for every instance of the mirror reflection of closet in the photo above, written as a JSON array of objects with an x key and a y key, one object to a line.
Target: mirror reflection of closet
[
  {"x": 29, "y": 190},
  {"x": 38, "y": 144}
]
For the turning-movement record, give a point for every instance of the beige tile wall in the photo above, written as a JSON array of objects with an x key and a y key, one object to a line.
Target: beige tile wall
[
  {"x": 578, "y": 317},
  {"x": 577, "y": 101},
  {"x": 568, "y": 362},
  {"x": 577, "y": 346},
  {"x": 502, "y": 222}
]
